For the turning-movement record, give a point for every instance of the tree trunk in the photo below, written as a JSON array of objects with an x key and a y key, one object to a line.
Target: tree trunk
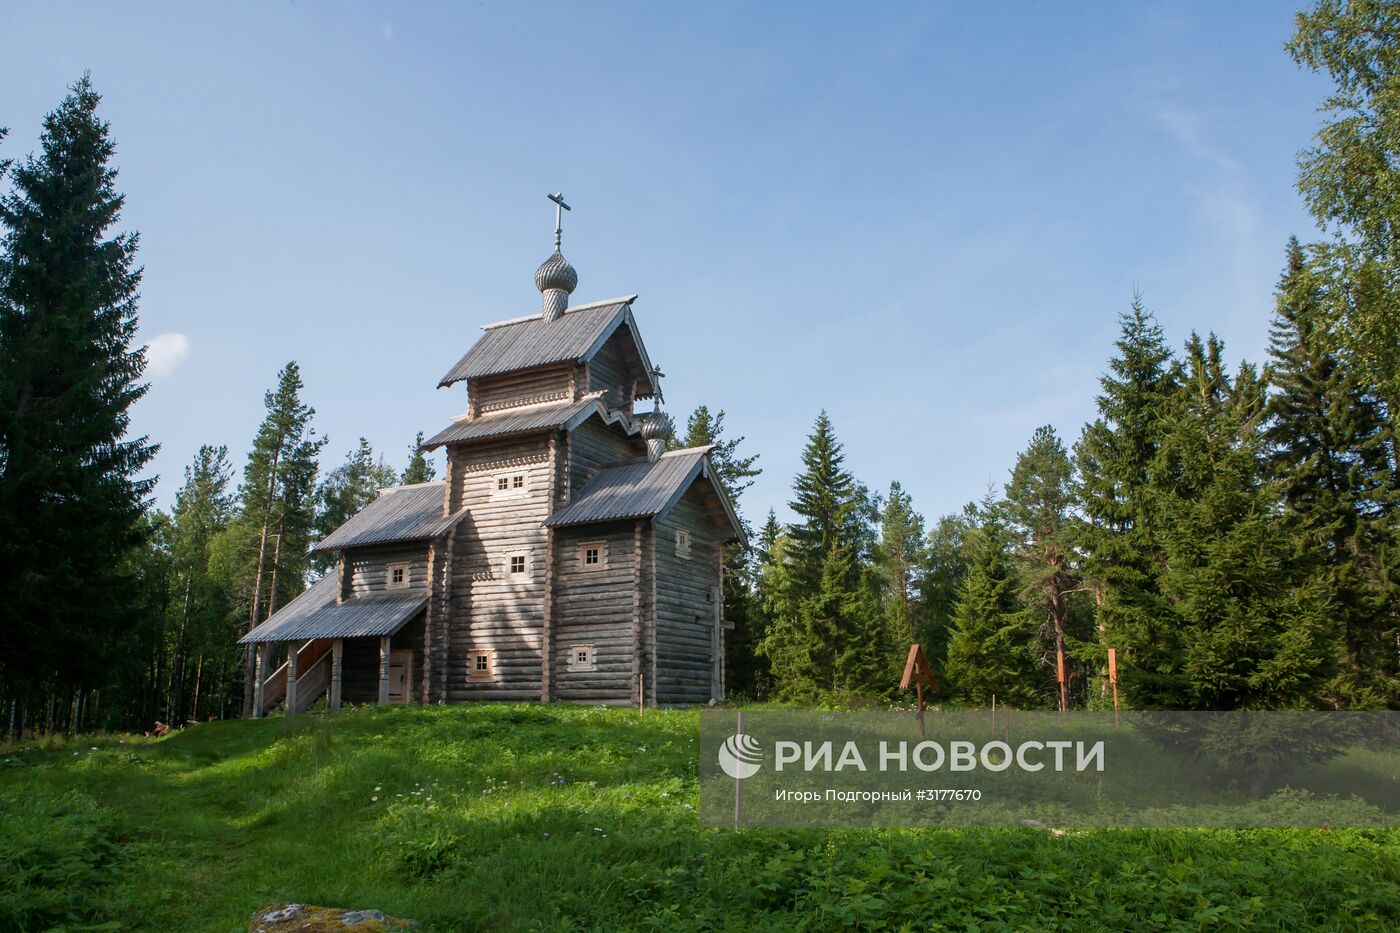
[{"x": 257, "y": 576}]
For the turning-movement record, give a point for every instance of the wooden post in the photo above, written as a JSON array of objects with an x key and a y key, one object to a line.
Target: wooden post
[
  {"x": 1113, "y": 680},
  {"x": 384, "y": 671},
  {"x": 292, "y": 652},
  {"x": 337, "y": 667},
  {"x": 637, "y": 613},
  {"x": 259, "y": 674}
]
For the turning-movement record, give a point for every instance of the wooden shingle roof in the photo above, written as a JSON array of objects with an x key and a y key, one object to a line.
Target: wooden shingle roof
[
  {"x": 316, "y": 614},
  {"x": 532, "y": 342},
  {"x": 403, "y": 513},
  {"x": 643, "y": 489},
  {"x": 524, "y": 420}
]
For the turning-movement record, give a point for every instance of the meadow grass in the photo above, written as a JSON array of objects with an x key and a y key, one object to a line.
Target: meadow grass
[{"x": 567, "y": 818}]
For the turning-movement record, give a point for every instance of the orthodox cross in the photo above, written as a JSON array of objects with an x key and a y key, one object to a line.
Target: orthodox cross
[{"x": 559, "y": 208}]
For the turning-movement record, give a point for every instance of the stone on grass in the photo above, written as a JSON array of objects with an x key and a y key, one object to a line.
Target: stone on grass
[{"x": 306, "y": 918}]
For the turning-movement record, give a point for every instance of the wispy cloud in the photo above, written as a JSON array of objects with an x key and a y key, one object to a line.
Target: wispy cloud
[
  {"x": 1185, "y": 127},
  {"x": 164, "y": 354}
]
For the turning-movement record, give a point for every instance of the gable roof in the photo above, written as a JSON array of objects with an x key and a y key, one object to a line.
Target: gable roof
[
  {"x": 316, "y": 614},
  {"x": 525, "y": 419},
  {"x": 644, "y": 489},
  {"x": 401, "y": 513},
  {"x": 531, "y": 342}
]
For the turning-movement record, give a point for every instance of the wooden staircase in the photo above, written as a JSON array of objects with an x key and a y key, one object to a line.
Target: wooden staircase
[{"x": 313, "y": 661}]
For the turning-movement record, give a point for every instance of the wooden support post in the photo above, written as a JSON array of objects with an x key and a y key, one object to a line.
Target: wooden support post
[
  {"x": 637, "y": 678},
  {"x": 259, "y": 674},
  {"x": 384, "y": 671},
  {"x": 292, "y": 680},
  {"x": 337, "y": 670}
]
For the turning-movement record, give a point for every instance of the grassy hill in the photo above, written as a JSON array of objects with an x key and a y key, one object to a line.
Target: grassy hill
[{"x": 564, "y": 818}]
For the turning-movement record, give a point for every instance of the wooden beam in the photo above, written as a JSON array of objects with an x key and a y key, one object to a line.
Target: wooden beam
[
  {"x": 337, "y": 671},
  {"x": 638, "y": 690},
  {"x": 259, "y": 674},
  {"x": 547, "y": 623},
  {"x": 384, "y": 671},
  {"x": 344, "y": 568},
  {"x": 292, "y": 653}
]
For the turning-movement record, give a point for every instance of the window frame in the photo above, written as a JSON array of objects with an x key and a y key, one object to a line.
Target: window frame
[
  {"x": 476, "y": 675},
  {"x": 389, "y": 569},
  {"x": 508, "y": 558},
  {"x": 574, "y": 665},
  {"x": 517, "y": 484},
  {"x": 683, "y": 543},
  {"x": 581, "y": 553}
]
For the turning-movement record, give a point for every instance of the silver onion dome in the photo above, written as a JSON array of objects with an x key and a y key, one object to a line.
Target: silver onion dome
[
  {"x": 656, "y": 429},
  {"x": 555, "y": 272}
]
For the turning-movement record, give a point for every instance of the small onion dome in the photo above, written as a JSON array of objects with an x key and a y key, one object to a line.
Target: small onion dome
[
  {"x": 555, "y": 272},
  {"x": 657, "y": 426}
]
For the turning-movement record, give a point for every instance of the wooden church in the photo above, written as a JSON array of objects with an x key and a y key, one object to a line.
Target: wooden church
[{"x": 567, "y": 556}]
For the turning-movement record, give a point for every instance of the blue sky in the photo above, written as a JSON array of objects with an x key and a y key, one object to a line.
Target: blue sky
[{"x": 923, "y": 218}]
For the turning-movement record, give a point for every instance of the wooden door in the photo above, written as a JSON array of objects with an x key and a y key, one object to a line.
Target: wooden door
[{"x": 400, "y": 675}]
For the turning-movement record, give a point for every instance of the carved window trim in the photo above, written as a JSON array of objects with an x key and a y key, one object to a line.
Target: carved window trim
[
  {"x": 510, "y": 484},
  {"x": 404, "y": 578},
  {"x": 583, "y": 658},
  {"x": 683, "y": 544},
  {"x": 598, "y": 550},
  {"x": 517, "y": 566},
  {"x": 481, "y": 665}
]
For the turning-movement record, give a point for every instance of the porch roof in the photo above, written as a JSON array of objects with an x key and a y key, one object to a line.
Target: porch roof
[{"x": 316, "y": 614}]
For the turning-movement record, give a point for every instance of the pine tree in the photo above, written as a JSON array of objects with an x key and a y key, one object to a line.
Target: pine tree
[
  {"x": 1039, "y": 507},
  {"x": 745, "y": 670},
  {"x": 898, "y": 557},
  {"x": 420, "y": 468},
  {"x": 1123, "y": 557},
  {"x": 992, "y": 648},
  {"x": 1242, "y": 629},
  {"x": 261, "y": 557},
  {"x": 1327, "y": 449},
  {"x": 72, "y": 510}
]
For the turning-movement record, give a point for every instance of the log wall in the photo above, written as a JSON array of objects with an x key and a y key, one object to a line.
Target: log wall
[
  {"x": 593, "y": 444},
  {"x": 493, "y": 393},
  {"x": 489, "y": 609},
  {"x": 369, "y": 567},
  {"x": 595, "y": 607},
  {"x": 360, "y": 678},
  {"x": 685, "y": 606}
]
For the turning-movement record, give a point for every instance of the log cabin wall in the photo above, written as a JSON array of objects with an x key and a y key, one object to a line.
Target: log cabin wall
[
  {"x": 360, "y": 678},
  {"x": 493, "y": 393},
  {"x": 685, "y": 606},
  {"x": 614, "y": 370},
  {"x": 369, "y": 567},
  {"x": 492, "y": 609},
  {"x": 593, "y": 444},
  {"x": 594, "y": 609}
]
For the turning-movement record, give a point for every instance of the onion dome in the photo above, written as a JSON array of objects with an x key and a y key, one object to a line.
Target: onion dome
[
  {"x": 556, "y": 280},
  {"x": 656, "y": 429}
]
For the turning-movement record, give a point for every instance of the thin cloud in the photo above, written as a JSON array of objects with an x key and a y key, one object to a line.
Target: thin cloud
[
  {"x": 164, "y": 354},
  {"x": 1185, "y": 128}
]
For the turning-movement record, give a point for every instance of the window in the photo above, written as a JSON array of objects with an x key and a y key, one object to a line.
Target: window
[
  {"x": 682, "y": 543},
  {"x": 517, "y": 566},
  {"x": 510, "y": 485},
  {"x": 583, "y": 658},
  {"x": 593, "y": 555},
  {"x": 482, "y": 666},
  {"x": 398, "y": 576}
]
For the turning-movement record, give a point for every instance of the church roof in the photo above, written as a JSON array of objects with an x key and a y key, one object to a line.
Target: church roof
[
  {"x": 401, "y": 513},
  {"x": 316, "y": 614},
  {"x": 531, "y": 342},
  {"x": 563, "y": 414},
  {"x": 643, "y": 489}
]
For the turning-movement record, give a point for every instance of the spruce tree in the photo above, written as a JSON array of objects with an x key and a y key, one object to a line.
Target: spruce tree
[
  {"x": 940, "y": 578},
  {"x": 1327, "y": 450},
  {"x": 420, "y": 468},
  {"x": 72, "y": 508},
  {"x": 1242, "y": 629},
  {"x": 347, "y": 489},
  {"x": 1122, "y": 556},
  {"x": 992, "y": 648}
]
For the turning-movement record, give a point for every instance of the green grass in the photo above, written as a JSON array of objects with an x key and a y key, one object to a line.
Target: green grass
[{"x": 565, "y": 818}]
